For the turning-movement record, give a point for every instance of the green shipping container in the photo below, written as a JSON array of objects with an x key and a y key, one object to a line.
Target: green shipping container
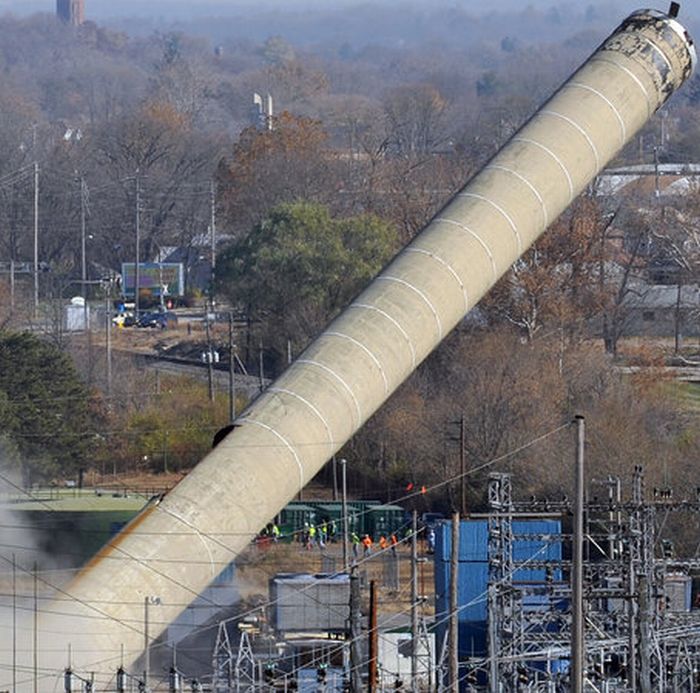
[
  {"x": 384, "y": 520},
  {"x": 294, "y": 518},
  {"x": 333, "y": 512},
  {"x": 364, "y": 525}
]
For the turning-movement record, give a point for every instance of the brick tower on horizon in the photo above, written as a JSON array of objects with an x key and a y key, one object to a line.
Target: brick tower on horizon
[{"x": 71, "y": 11}]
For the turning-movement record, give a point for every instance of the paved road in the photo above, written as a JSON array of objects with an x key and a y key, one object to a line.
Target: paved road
[{"x": 690, "y": 374}]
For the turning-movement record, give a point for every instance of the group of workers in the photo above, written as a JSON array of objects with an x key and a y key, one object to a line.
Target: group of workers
[
  {"x": 320, "y": 535},
  {"x": 367, "y": 543},
  {"x": 272, "y": 531}
]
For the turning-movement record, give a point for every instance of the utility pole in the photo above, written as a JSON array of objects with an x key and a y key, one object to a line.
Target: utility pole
[
  {"x": 36, "y": 634},
  {"x": 334, "y": 469},
  {"x": 210, "y": 358},
  {"x": 14, "y": 624},
  {"x": 461, "y": 440},
  {"x": 83, "y": 253},
  {"x": 146, "y": 643},
  {"x": 355, "y": 633},
  {"x": 414, "y": 601},
  {"x": 160, "y": 278},
  {"x": 261, "y": 366},
  {"x": 212, "y": 231},
  {"x": 577, "y": 631},
  {"x": 462, "y": 469},
  {"x": 657, "y": 187},
  {"x": 454, "y": 605},
  {"x": 137, "y": 269},
  {"x": 373, "y": 639},
  {"x": 344, "y": 481},
  {"x": 12, "y": 282},
  {"x": 36, "y": 240},
  {"x": 231, "y": 371},
  {"x": 83, "y": 274},
  {"x": 108, "y": 340}
]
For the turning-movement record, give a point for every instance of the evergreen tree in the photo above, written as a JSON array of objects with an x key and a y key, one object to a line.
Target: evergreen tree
[{"x": 44, "y": 411}]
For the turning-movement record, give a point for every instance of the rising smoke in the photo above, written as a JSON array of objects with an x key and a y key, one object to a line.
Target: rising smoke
[{"x": 27, "y": 573}]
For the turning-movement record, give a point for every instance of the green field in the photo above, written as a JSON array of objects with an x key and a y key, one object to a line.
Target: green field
[
  {"x": 67, "y": 501},
  {"x": 689, "y": 395}
]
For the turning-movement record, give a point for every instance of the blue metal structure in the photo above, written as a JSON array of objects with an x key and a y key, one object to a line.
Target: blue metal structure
[{"x": 545, "y": 545}]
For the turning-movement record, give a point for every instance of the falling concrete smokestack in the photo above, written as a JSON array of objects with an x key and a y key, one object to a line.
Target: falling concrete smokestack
[{"x": 286, "y": 436}]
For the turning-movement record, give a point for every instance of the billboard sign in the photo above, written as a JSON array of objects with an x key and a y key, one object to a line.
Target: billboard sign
[{"x": 160, "y": 278}]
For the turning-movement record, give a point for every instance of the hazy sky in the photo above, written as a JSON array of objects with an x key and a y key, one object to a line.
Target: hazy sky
[
  {"x": 178, "y": 9},
  {"x": 315, "y": 22}
]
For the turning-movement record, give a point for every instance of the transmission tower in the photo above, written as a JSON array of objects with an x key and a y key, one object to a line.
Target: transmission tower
[
  {"x": 222, "y": 663},
  {"x": 246, "y": 669}
]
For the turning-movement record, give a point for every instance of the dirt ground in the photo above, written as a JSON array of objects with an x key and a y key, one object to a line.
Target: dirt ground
[
  {"x": 174, "y": 341},
  {"x": 260, "y": 563}
]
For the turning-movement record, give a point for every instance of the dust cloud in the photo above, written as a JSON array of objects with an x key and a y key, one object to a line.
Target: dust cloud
[{"x": 28, "y": 576}]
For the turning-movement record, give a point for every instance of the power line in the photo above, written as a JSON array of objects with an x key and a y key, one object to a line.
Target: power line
[
  {"x": 406, "y": 496},
  {"x": 500, "y": 458}
]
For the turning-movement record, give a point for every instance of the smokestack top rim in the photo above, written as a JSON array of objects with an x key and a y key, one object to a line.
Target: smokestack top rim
[{"x": 676, "y": 26}]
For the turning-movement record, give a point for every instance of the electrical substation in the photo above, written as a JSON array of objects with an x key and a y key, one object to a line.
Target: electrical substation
[
  {"x": 511, "y": 607},
  {"x": 514, "y": 618}
]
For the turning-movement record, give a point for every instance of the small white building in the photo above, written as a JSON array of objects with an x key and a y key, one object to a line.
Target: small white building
[
  {"x": 394, "y": 651},
  {"x": 76, "y": 316}
]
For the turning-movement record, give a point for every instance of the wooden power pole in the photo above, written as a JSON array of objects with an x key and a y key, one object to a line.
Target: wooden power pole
[
  {"x": 577, "y": 632},
  {"x": 454, "y": 607}
]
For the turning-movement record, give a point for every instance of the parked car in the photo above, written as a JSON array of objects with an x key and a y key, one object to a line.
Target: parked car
[
  {"x": 430, "y": 520},
  {"x": 125, "y": 319},
  {"x": 157, "y": 319}
]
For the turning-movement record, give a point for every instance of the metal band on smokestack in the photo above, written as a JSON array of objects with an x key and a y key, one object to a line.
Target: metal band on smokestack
[{"x": 346, "y": 374}]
